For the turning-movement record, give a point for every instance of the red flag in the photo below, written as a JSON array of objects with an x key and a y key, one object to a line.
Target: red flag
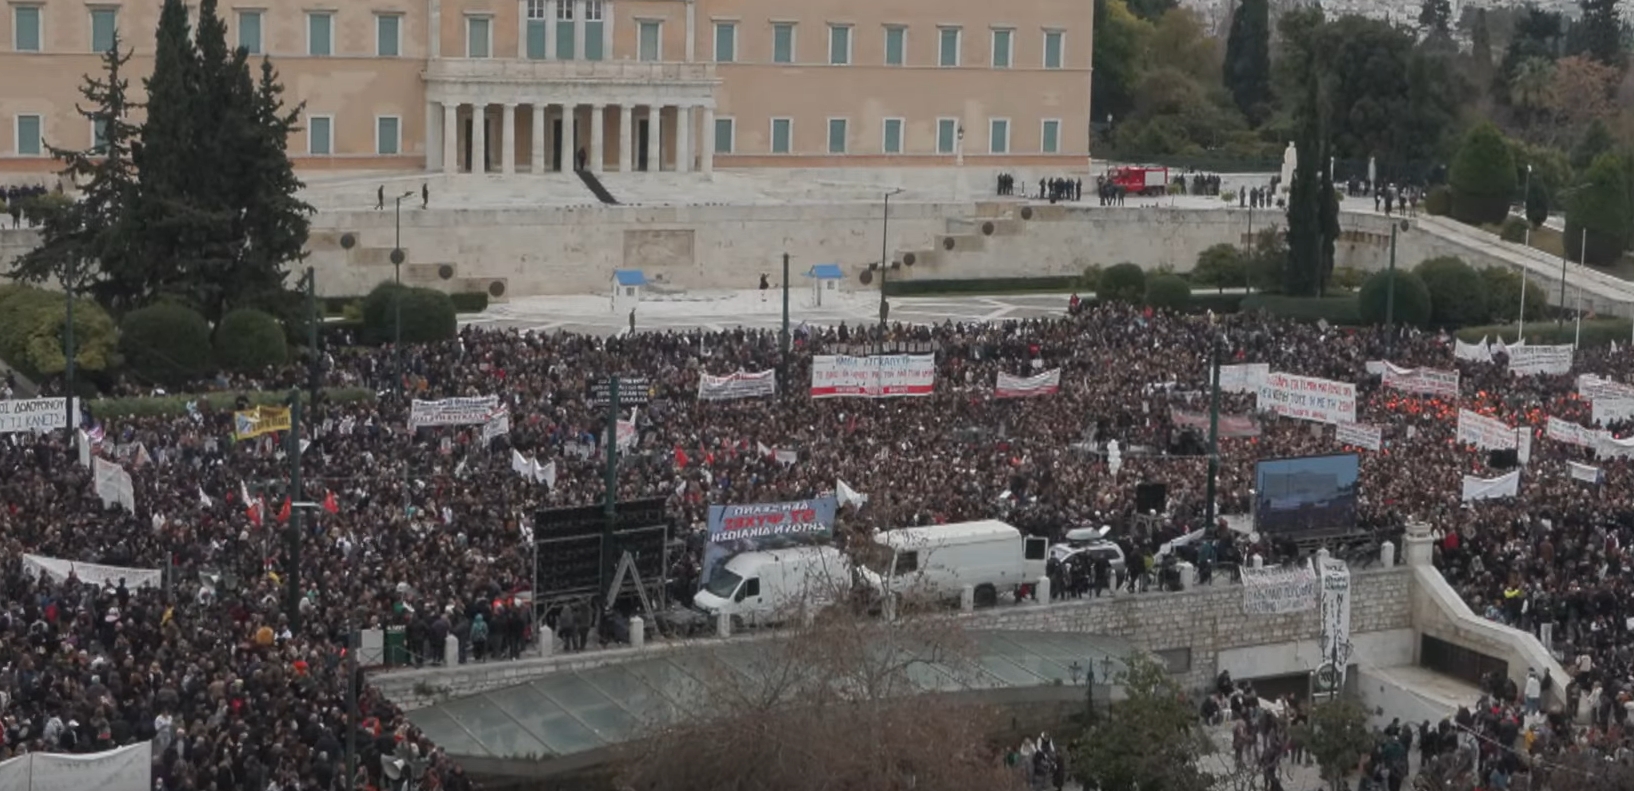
[
  {"x": 329, "y": 503},
  {"x": 680, "y": 457},
  {"x": 253, "y": 511},
  {"x": 283, "y": 513}
]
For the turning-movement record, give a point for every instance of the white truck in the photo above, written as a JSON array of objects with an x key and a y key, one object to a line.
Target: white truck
[
  {"x": 773, "y": 586},
  {"x": 939, "y": 561}
]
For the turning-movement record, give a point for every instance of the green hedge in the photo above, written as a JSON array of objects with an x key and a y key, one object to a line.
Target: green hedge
[
  {"x": 1337, "y": 309},
  {"x": 982, "y": 285},
  {"x": 173, "y": 405},
  {"x": 32, "y": 321},
  {"x": 427, "y": 315},
  {"x": 1457, "y": 292},
  {"x": 250, "y": 340},
  {"x": 469, "y": 301},
  {"x": 1596, "y": 332}
]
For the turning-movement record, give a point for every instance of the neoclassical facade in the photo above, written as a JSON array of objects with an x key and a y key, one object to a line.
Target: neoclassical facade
[{"x": 518, "y": 86}]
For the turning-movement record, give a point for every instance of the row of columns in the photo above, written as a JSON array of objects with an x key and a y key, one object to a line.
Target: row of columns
[{"x": 566, "y": 144}]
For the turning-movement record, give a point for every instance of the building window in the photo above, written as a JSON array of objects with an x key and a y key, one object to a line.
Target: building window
[
  {"x": 1051, "y": 142},
  {"x": 479, "y": 40},
  {"x": 320, "y": 135},
  {"x": 99, "y": 135},
  {"x": 726, "y": 42},
  {"x": 893, "y": 136},
  {"x": 593, "y": 13},
  {"x": 387, "y": 35},
  {"x": 724, "y": 127},
  {"x": 783, "y": 42},
  {"x": 1001, "y": 47},
  {"x": 836, "y": 135},
  {"x": 318, "y": 30},
  {"x": 782, "y": 135},
  {"x": 387, "y": 135},
  {"x": 103, "y": 23},
  {"x": 25, "y": 28},
  {"x": 564, "y": 30},
  {"x": 536, "y": 29},
  {"x": 947, "y": 135},
  {"x": 896, "y": 45},
  {"x": 1052, "y": 49},
  {"x": 839, "y": 45},
  {"x": 249, "y": 31},
  {"x": 998, "y": 136},
  {"x": 650, "y": 41},
  {"x": 29, "y": 136},
  {"x": 949, "y": 55}
]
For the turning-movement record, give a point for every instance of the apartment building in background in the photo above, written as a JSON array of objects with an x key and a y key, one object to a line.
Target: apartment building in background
[{"x": 518, "y": 86}]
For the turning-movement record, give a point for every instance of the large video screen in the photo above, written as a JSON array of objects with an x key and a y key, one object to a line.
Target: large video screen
[{"x": 1306, "y": 494}]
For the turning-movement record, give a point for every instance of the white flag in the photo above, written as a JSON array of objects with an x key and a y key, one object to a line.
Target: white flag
[
  {"x": 520, "y": 464},
  {"x": 764, "y": 451},
  {"x": 546, "y": 474},
  {"x": 846, "y": 494},
  {"x": 204, "y": 499}
]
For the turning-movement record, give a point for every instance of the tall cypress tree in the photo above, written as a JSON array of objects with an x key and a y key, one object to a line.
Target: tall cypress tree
[
  {"x": 1247, "y": 72},
  {"x": 277, "y": 220},
  {"x": 1598, "y": 33},
  {"x": 1435, "y": 18},
  {"x": 168, "y": 161}
]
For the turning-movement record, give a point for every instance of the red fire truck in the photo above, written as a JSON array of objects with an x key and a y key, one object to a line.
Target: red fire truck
[{"x": 1137, "y": 180}]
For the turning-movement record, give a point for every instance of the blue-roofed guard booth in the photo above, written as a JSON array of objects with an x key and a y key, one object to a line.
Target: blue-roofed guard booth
[
  {"x": 627, "y": 285},
  {"x": 824, "y": 278}
]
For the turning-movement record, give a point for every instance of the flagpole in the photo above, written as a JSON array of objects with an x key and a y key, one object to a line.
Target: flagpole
[
  {"x": 294, "y": 533},
  {"x": 610, "y": 444},
  {"x": 1577, "y": 337}
]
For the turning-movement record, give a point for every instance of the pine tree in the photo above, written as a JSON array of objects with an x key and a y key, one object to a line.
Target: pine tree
[
  {"x": 88, "y": 243},
  {"x": 1329, "y": 221},
  {"x": 1598, "y": 33},
  {"x": 1480, "y": 50},
  {"x": 276, "y": 218},
  {"x": 1435, "y": 18},
  {"x": 1247, "y": 72},
  {"x": 168, "y": 160}
]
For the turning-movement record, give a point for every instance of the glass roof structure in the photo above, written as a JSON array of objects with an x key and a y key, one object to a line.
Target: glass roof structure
[{"x": 572, "y": 712}]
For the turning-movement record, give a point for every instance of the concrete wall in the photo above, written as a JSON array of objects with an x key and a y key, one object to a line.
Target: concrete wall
[{"x": 1439, "y": 612}]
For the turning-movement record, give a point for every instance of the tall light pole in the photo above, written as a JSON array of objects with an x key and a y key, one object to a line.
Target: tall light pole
[
  {"x": 884, "y": 264},
  {"x": 293, "y": 535},
  {"x": 1390, "y": 291},
  {"x": 783, "y": 339},
  {"x": 397, "y": 258},
  {"x": 309, "y": 281},
  {"x": 1213, "y": 434},
  {"x": 1526, "y": 195},
  {"x": 68, "y": 287}
]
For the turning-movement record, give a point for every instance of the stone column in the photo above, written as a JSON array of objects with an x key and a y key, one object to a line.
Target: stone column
[
  {"x": 598, "y": 115},
  {"x": 626, "y": 120},
  {"x": 507, "y": 138},
  {"x": 569, "y": 150},
  {"x": 451, "y": 137},
  {"x": 706, "y": 156},
  {"x": 655, "y": 151},
  {"x": 1420, "y": 546},
  {"x": 434, "y": 131},
  {"x": 683, "y": 139},
  {"x": 538, "y": 139},
  {"x": 479, "y": 138}
]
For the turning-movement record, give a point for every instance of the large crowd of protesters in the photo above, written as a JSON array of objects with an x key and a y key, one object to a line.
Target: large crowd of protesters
[{"x": 429, "y": 528}]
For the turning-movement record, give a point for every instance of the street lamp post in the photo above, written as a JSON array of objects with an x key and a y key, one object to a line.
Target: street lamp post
[
  {"x": 397, "y": 258},
  {"x": 783, "y": 339},
  {"x": 68, "y": 284},
  {"x": 884, "y": 265},
  {"x": 309, "y": 281},
  {"x": 1520, "y": 319}
]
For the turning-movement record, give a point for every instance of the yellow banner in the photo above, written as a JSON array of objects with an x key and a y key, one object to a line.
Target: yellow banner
[{"x": 263, "y": 420}]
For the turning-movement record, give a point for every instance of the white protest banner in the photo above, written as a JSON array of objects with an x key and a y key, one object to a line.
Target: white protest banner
[
  {"x": 1243, "y": 378},
  {"x": 1534, "y": 360},
  {"x": 498, "y": 425},
  {"x": 1484, "y": 432},
  {"x": 92, "y": 573},
  {"x": 1336, "y": 596},
  {"x": 452, "y": 411},
  {"x": 1491, "y": 488},
  {"x": 1584, "y": 473},
  {"x": 1360, "y": 435},
  {"x": 1422, "y": 380},
  {"x": 1375, "y": 367},
  {"x": 1609, "y": 447},
  {"x": 737, "y": 385},
  {"x": 124, "y": 769},
  {"x": 34, "y": 414},
  {"x": 1595, "y": 388},
  {"x": 1275, "y": 590},
  {"x": 1523, "y": 444},
  {"x": 112, "y": 484},
  {"x": 1308, "y": 398},
  {"x": 1571, "y": 433},
  {"x": 1473, "y": 352},
  {"x": 879, "y": 376},
  {"x": 1047, "y": 383},
  {"x": 1607, "y": 410}
]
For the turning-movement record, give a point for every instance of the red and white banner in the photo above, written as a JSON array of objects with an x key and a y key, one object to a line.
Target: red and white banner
[
  {"x": 1308, "y": 398},
  {"x": 741, "y": 384},
  {"x": 1422, "y": 380},
  {"x": 1046, "y": 383},
  {"x": 879, "y": 376}
]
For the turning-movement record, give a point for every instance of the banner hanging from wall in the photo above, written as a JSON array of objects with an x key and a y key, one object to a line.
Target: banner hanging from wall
[
  {"x": 1010, "y": 386},
  {"x": 1277, "y": 591},
  {"x": 1360, "y": 435},
  {"x": 1336, "y": 645},
  {"x": 1308, "y": 398},
  {"x": 751, "y": 528},
  {"x": 1428, "y": 381},
  {"x": 34, "y": 414},
  {"x": 453, "y": 411},
  {"x": 741, "y": 384},
  {"x": 879, "y": 376}
]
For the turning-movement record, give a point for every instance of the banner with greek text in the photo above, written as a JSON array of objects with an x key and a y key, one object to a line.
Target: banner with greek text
[
  {"x": 1473, "y": 352},
  {"x": 125, "y": 769},
  {"x": 1308, "y": 398},
  {"x": 498, "y": 425},
  {"x": 1571, "y": 433},
  {"x": 92, "y": 573},
  {"x": 1275, "y": 590},
  {"x": 1244, "y": 378},
  {"x": 1584, "y": 473},
  {"x": 1231, "y": 426},
  {"x": 1595, "y": 387},
  {"x": 34, "y": 414},
  {"x": 1484, "y": 432},
  {"x": 1422, "y": 380},
  {"x": 259, "y": 421},
  {"x": 741, "y": 384},
  {"x": 1607, "y": 410},
  {"x": 1047, "y": 383},
  {"x": 453, "y": 411},
  {"x": 1360, "y": 435},
  {"x": 1535, "y": 360},
  {"x": 1491, "y": 488},
  {"x": 751, "y": 528},
  {"x": 1336, "y": 646},
  {"x": 880, "y": 376}
]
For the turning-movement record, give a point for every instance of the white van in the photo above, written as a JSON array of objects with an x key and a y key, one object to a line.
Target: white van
[
  {"x": 772, "y": 586},
  {"x": 939, "y": 561}
]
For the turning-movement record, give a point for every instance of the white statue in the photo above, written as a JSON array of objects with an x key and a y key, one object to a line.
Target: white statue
[{"x": 1290, "y": 160}]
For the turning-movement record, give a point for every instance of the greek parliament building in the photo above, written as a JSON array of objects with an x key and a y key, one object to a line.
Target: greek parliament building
[{"x": 518, "y": 86}]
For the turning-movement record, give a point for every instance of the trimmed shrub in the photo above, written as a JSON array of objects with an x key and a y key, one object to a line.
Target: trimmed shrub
[
  {"x": 1438, "y": 201},
  {"x": 1168, "y": 291},
  {"x": 469, "y": 301},
  {"x": 1482, "y": 177},
  {"x": 428, "y": 315},
  {"x": 166, "y": 343},
  {"x": 1412, "y": 305},
  {"x": 250, "y": 340},
  {"x": 1457, "y": 292},
  {"x": 1221, "y": 265},
  {"x": 1514, "y": 230},
  {"x": 1601, "y": 206},
  {"x": 1338, "y": 310},
  {"x": 174, "y": 405},
  {"x": 1503, "y": 295},
  {"x": 1122, "y": 283},
  {"x": 32, "y": 321}
]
